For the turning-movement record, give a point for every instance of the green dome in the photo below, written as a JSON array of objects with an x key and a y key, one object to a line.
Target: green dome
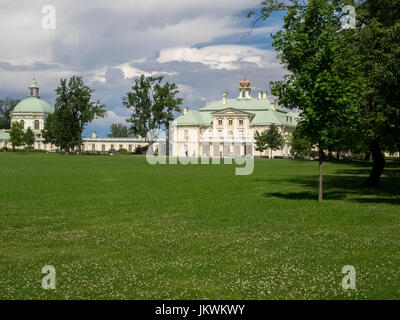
[{"x": 33, "y": 104}]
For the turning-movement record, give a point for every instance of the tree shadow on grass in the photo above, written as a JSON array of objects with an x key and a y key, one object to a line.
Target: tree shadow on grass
[
  {"x": 348, "y": 185},
  {"x": 304, "y": 195}
]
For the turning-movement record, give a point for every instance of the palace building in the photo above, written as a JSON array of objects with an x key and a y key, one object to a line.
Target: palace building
[
  {"x": 32, "y": 113},
  {"x": 226, "y": 128},
  {"x": 222, "y": 128}
]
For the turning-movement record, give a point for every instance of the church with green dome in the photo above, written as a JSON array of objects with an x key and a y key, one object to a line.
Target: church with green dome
[{"x": 32, "y": 113}]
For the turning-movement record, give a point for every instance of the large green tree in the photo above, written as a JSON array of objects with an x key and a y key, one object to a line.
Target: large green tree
[
  {"x": 152, "y": 105},
  {"x": 355, "y": 70},
  {"x": 74, "y": 109},
  {"x": 16, "y": 135},
  {"x": 308, "y": 46},
  {"x": 6, "y": 107},
  {"x": 374, "y": 54}
]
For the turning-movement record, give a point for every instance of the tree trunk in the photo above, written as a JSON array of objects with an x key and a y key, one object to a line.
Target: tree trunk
[
  {"x": 167, "y": 140},
  {"x": 377, "y": 165},
  {"x": 320, "y": 176}
]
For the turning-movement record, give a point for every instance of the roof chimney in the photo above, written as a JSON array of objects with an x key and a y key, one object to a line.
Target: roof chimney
[
  {"x": 265, "y": 95},
  {"x": 272, "y": 106},
  {"x": 185, "y": 109},
  {"x": 260, "y": 95},
  {"x": 224, "y": 97}
]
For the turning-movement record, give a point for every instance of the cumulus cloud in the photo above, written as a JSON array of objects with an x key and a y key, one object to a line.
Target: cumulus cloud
[
  {"x": 111, "y": 43},
  {"x": 221, "y": 56}
]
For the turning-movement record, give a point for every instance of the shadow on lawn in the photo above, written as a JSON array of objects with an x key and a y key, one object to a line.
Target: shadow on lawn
[{"x": 348, "y": 184}]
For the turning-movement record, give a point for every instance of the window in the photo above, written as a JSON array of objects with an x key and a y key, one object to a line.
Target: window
[
  {"x": 240, "y": 122},
  {"x": 103, "y": 147},
  {"x": 230, "y": 122},
  {"x": 112, "y": 147},
  {"x": 220, "y": 133},
  {"x": 130, "y": 148},
  {"x": 38, "y": 136},
  {"x": 22, "y": 123},
  {"x": 230, "y": 133},
  {"x": 243, "y": 94},
  {"x": 185, "y": 134},
  {"x": 93, "y": 147},
  {"x": 120, "y": 147},
  {"x": 220, "y": 122},
  {"x": 82, "y": 147},
  {"x": 210, "y": 133},
  {"x": 240, "y": 133},
  {"x": 36, "y": 124}
]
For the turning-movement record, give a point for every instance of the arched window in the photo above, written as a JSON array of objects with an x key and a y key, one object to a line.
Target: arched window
[
  {"x": 22, "y": 123},
  {"x": 36, "y": 124}
]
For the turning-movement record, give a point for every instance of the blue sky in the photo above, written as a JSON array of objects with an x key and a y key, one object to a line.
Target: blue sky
[{"x": 202, "y": 46}]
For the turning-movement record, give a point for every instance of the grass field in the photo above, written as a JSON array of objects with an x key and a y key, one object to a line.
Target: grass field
[{"x": 115, "y": 227}]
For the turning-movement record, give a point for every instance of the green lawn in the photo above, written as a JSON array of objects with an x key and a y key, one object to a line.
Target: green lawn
[{"x": 115, "y": 227}]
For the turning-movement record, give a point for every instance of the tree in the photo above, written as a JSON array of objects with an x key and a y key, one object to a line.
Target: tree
[
  {"x": 29, "y": 137},
  {"x": 308, "y": 46},
  {"x": 74, "y": 109},
  {"x": 16, "y": 135},
  {"x": 299, "y": 143},
  {"x": 6, "y": 107},
  {"x": 118, "y": 130},
  {"x": 365, "y": 58},
  {"x": 374, "y": 54},
  {"x": 152, "y": 105},
  {"x": 270, "y": 138},
  {"x": 259, "y": 141}
]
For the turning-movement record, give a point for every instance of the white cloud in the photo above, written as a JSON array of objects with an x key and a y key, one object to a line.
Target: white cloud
[{"x": 221, "y": 56}]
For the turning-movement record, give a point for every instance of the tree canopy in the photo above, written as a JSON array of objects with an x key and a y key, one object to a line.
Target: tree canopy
[
  {"x": 29, "y": 138},
  {"x": 152, "y": 105},
  {"x": 16, "y": 134},
  {"x": 118, "y": 130},
  {"x": 74, "y": 109}
]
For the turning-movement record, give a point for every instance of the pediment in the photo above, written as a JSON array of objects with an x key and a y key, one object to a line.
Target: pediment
[{"x": 231, "y": 111}]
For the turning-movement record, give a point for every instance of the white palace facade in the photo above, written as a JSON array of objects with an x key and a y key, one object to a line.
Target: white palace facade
[{"x": 226, "y": 128}]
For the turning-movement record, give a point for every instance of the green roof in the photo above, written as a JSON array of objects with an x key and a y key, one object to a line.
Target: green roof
[
  {"x": 194, "y": 117},
  {"x": 4, "y": 135},
  {"x": 260, "y": 109},
  {"x": 33, "y": 104}
]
